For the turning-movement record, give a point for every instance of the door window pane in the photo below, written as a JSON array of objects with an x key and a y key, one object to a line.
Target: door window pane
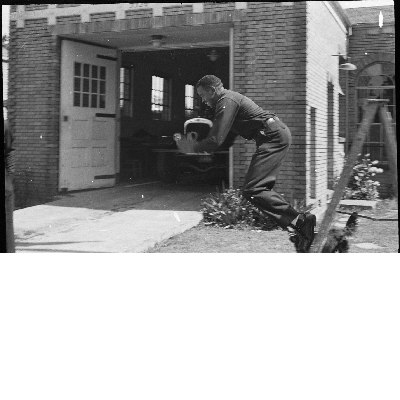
[
  {"x": 102, "y": 101},
  {"x": 102, "y": 87},
  {"x": 77, "y": 99},
  {"x": 94, "y": 101},
  {"x": 77, "y": 84},
  {"x": 94, "y": 85},
  {"x": 85, "y": 100},
  {"x": 86, "y": 85},
  {"x": 86, "y": 69},
  {"x": 86, "y": 90},
  {"x": 77, "y": 69}
]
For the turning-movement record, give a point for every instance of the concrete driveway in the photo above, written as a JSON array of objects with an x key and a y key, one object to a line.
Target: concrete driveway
[{"x": 128, "y": 218}]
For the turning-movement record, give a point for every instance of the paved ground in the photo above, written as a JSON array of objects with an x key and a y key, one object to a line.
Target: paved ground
[
  {"x": 125, "y": 218},
  {"x": 129, "y": 218}
]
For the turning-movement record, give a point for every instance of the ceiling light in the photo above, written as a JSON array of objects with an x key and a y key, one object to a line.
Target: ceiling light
[
  {"x": 157, "y": 40},
  {"x": 213, "y": 56}
]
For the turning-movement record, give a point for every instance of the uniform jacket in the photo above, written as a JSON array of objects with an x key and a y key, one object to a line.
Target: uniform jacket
[{"x": 233, "y": 112}]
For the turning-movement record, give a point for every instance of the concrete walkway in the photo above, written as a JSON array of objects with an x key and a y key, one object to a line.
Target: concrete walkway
[{"x": 122, "y": 219}]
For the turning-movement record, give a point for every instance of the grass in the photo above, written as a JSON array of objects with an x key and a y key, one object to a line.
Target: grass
[{"x": 379, "y": 236}]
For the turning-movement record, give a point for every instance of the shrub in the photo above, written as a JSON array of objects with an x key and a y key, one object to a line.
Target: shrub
[
  {"x": 361, "y": 186},
  {"x": 230, "y": 209}
]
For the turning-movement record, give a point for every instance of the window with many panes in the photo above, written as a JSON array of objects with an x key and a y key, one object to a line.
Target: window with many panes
[
  {"x": 160, "y": 98},
  {"x": 126, "y": 91},
  {"x": 376, "y": 81},
  {"x": 192, "y": 102},
  {"x": 89, "y": 85}
]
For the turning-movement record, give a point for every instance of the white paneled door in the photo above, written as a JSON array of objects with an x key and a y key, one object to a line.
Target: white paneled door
[{"x": 88, "y": 116}]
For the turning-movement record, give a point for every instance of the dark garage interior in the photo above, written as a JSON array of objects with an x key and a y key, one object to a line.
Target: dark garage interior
[{"x": 157, "y": 96}]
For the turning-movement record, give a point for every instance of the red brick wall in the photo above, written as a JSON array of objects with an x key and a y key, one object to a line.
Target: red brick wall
[
  {"x": 34, "y": 110},
  {"x": 270, "y": 67}
]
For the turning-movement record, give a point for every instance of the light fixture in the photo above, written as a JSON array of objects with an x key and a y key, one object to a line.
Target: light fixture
[
  {"x": 380, "y": 19},
  {"x": 345, "y": 65},
  {"x": 348, "y": 66},
  {"x": 157, "y": 40},
  {"x": 213, "y": 56}
]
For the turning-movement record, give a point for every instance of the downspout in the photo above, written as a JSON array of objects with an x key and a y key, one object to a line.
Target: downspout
[
  {"x": 117, "y": 164},
  {"x": 347, "y": 134},
  {"x": 347, "y": 114},
  {"x": 345, "y": 21},
  {"x": 231, "y": 69}
]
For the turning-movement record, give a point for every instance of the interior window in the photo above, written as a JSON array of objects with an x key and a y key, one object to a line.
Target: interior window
[
  {"x": 192, "y": 102},
  {"x": 376, "y": 81},
  {"x": 126, "y": 91},
  {"x": 160, "y": 98}
]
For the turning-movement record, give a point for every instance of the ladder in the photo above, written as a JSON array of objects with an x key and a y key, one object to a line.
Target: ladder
[{"x": 391, "y": 149}]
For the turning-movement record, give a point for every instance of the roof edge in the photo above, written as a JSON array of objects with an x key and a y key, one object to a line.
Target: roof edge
[{"x": 341, "y": 13}]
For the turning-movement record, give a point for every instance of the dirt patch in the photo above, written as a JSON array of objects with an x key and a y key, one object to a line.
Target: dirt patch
[
  {"x": 211, "y": 239},
  {"x": 383, "y": 235}
]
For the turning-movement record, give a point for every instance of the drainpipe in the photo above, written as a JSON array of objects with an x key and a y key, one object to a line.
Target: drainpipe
[
  {"x": 348, "y": 67},
  {"x": 231, "y": 69},
  {"x": 346, "y": 151}
]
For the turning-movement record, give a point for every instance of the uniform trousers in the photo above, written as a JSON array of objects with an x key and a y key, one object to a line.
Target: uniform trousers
[{"x": 263, "y": 171}]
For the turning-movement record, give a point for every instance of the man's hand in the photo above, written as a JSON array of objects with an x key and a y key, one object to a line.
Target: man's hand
[{"x": 185, "y": 144}]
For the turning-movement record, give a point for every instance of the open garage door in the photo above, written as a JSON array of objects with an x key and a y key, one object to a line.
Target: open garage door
[
  {"x": 88, "y": 116},
  {"x": 160, "y": 98}
]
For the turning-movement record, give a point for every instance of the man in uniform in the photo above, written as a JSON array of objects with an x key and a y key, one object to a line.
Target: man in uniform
[{"x": 237, "y": 113}]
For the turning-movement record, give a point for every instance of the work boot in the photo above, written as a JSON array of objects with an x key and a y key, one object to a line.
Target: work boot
[{"x": 305, "y": 226}]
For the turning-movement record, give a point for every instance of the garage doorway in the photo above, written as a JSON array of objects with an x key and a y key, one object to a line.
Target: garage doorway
[{"x": 157, "y": 97}]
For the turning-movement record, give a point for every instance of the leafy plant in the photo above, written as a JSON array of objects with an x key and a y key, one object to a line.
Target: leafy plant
[
  {"x": 361, "y": 186},
  {"x": 230, "y": 209}
]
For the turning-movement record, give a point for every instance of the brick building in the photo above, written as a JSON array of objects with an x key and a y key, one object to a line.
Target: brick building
[{"x": 87, "y": 79}]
